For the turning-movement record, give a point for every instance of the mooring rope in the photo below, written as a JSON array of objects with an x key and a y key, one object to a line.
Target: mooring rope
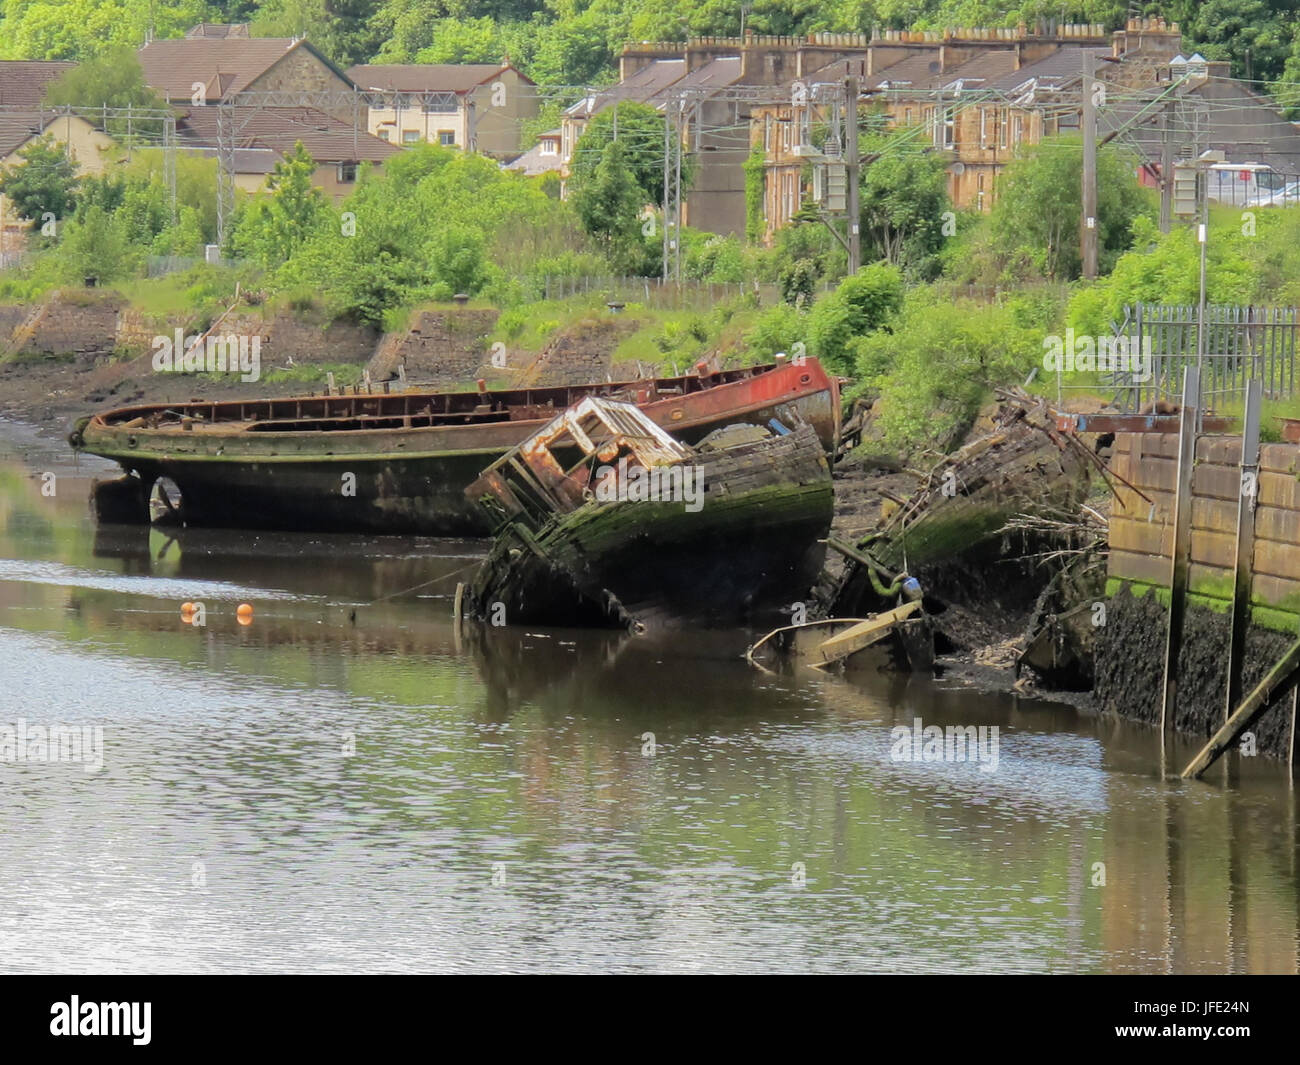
[{"x": 425, "y": 584}]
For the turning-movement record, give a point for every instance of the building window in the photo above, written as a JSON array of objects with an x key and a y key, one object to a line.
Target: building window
[
  {"x": 979, "y": 195},
  {"x": 548, "y": 148},
  {"x": 447, "y": 138},
  {"x": 1017, "y": 129},
  {"x": 767, "y": 133},
  {"x": 347, "y": 173},
  {"x": 1004, "y": 120},
  {"x": 440, "y": 105},
  {"x": 385, "y": 135},
  {"x": 984, "y": 128},
  {"x": 410, "y": 136},
  {"x": 907, "y": 116},
  {"x": 944, "y": 128}
]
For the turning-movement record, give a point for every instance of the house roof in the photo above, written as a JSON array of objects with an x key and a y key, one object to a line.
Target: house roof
[
  {"x": 327, "y": 139},
  {"x": 428, "y": 77},
  {"x": 23, "y": 81},
  {"x": 218, "y": 30},
  {"x": 914, "y": 72},
  {"x": 248, "y": 161},
  {"x": 649, "y": 81},
  {"x": 924, "y": 72},
  {"x": 716, "y": 73},
  {"x": 534, "y": 162},
  {"x": 18, "y": 127},
  {"x": 978, "y": 72},
  {"x": 1062, "y": 68},
  {"x": 223, "y": 65}
]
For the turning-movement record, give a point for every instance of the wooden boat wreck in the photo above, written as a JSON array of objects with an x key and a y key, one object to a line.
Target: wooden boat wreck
[
  {"x": 603, "y": 518},
  {"x": 400, "y": 462}
]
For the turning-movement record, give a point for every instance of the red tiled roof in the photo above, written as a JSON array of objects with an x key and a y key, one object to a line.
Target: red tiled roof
[
  {"x": 17, "y": 127},
  {"x": 23, "y": 81},
  {"x": 222, "y": 65},
  {"x": 327, "y": 139}
]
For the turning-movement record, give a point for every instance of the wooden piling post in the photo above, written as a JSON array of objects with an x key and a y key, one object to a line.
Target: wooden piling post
[
  {"x": 1180, "y": 561},
  {"x": 1247, "y": 498},
  {"x": 1277, "y": 680},
  {"x": 1290, "y": 750}
]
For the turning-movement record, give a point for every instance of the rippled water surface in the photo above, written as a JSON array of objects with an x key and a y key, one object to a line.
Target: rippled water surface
[{"x": 343, "y": 785}]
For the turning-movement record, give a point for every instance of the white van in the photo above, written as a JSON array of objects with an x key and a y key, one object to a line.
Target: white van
[{"x": 1244, "y": 184}]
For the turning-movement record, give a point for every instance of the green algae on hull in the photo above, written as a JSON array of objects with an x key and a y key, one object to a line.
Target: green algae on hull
[{"x": 752, "y": 546}]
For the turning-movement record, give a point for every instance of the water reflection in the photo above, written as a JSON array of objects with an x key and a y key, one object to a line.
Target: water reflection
[{"x": 348, "y": 783}]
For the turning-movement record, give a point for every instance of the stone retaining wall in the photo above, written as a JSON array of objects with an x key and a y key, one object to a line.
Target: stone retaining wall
[
  {"x": 1131, "y": 643},
  {"x": 441, "y": 348},
  {"x": 1141, "y": 533}
]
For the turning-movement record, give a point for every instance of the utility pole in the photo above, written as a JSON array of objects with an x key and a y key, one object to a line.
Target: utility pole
[
  {"x": 1202, "y": 238},
  {"x": 1166, "y": 171},
  {"x": 667, "y": 143},
  {"x": 854, "y": 160},
  {"x": 169, "y": 160},
  {"x": 1088, "y": 223},
  {"x": 227, "y": 131},
  {"x": 677, "y": 192}
]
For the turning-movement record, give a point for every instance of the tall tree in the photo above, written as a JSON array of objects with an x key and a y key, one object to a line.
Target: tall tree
[
  {"x": 608, "y": 201},
  {"x": 904, "y": 194},
  {"x": 639, "y": 131},
  {"x": 1040, "y": 205}
]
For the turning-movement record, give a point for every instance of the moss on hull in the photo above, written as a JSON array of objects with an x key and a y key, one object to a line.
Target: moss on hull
[{"x": 753, "y": 543}]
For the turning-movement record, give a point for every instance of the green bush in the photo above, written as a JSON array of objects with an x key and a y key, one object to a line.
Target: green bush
[
  {"x": 861, "y": 304},
  {"x": 777, "y": 329},
  {"x": 933, "y": 372}
]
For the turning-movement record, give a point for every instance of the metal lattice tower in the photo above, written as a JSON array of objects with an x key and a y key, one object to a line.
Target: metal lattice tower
[{"x": 225, "y": 170}]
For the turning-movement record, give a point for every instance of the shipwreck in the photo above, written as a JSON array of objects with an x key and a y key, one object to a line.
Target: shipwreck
[
  {"x": 603, "y": 518},
  {"x": 397, "y": 462}
]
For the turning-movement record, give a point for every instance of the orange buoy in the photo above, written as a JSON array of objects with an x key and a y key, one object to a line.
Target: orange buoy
[
  {"x": 187, "y": 608},
  {"x": 244, "y": 611}
]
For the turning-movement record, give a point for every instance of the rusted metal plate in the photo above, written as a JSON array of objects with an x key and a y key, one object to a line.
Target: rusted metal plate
[
  {"x": 1290, "y": 430},
  {"x": 1135, "y": 423}
]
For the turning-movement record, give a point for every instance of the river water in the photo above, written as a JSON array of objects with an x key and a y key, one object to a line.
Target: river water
[{"x": 342, "y": 785}]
